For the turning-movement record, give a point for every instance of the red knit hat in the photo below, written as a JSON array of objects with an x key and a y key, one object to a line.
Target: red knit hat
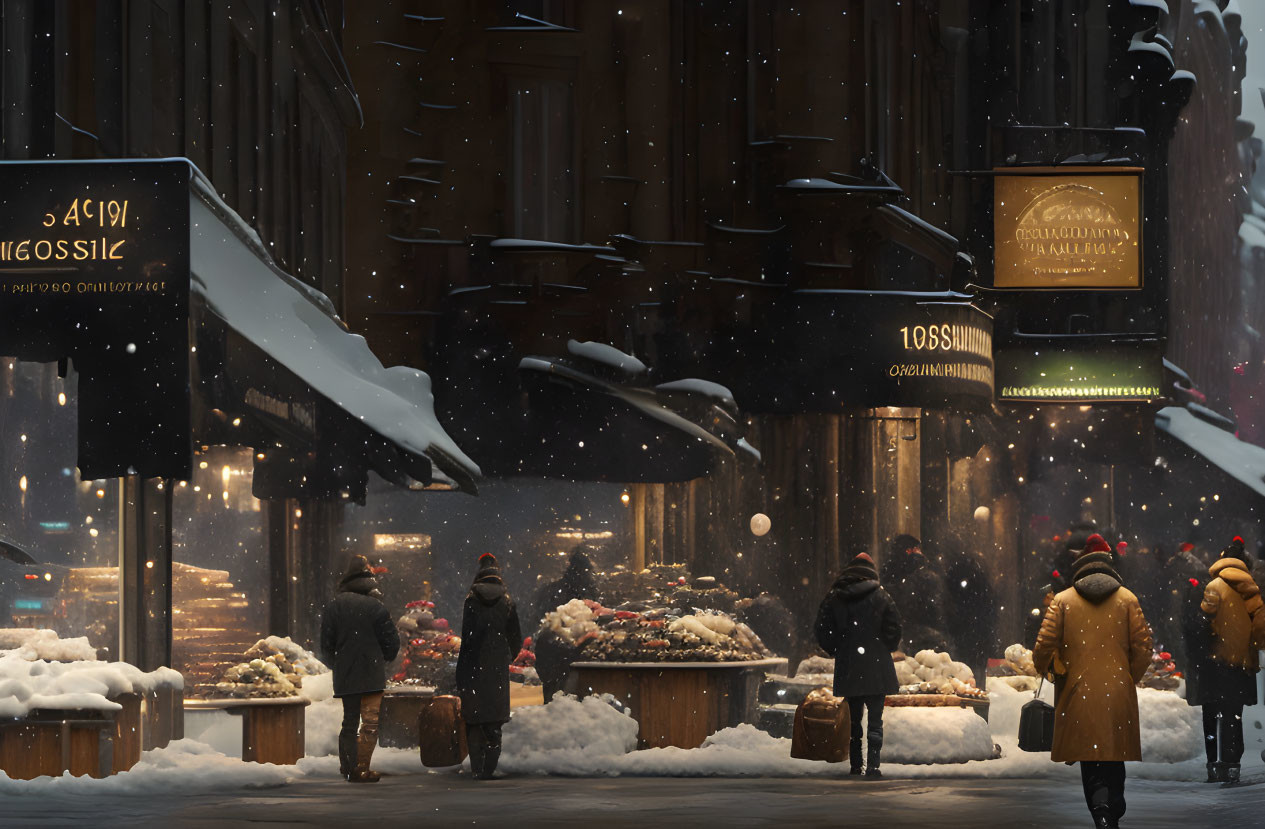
[
  {"x": 487, "y": 560},
  {"x": 863, "y": 557},
  {"x": 1096, "y": 544}
]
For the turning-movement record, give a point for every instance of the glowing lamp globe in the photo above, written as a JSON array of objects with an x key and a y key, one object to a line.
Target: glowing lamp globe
[{"x": 760, "y": 524}]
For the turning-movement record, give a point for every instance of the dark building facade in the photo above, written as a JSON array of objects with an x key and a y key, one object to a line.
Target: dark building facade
[{"x": 762, "y": 194}]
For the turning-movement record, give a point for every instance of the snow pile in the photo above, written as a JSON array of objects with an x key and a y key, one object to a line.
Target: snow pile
[
  {"x": 919, "y": 736},
  {"x": 36, "y": 643},
  {"x": 1172, "y": 731},
  {"x": 184, "y": 767},
  {"x": 37, "y": 684},
  {"x": 567, "y": 736}
]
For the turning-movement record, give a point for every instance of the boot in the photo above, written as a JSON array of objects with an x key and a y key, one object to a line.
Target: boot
[
  {"x": 1230, "y": 773},
  {"x": 346, "y": 755},
  {"x": 476, "y": 746},
  {"x": 364, "y": 753},
  {"x": 854, "y": 752},
  {"x": 1214, "y": 773},
  {"x": 1105, "y": 821},
  {"x": 871, "y": 767}
]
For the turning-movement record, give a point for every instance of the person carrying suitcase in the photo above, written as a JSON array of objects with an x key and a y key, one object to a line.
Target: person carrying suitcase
[
  {"x": 859, "y": 626},
  {"x": 358, "y": 639},
  {"x": 490, "y": 640}
]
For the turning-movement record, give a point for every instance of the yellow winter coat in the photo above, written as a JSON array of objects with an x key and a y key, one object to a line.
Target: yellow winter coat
[
  {"x": 1097, "y": 631},
  {"x": 1233, "y": 601}
]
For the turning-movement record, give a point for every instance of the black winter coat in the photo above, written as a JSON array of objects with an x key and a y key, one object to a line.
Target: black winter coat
[
  {"x": 358, "y": 639},
  {"x": 918, "y": 590},
  {"x": 490, "y": 641},
  {"x": 859, "y": 626}
]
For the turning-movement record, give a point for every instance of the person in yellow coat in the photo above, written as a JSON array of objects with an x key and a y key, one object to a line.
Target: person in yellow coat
[
  {"x": 1096, "y": 631},
  {"x": 1226, "y": 639}
]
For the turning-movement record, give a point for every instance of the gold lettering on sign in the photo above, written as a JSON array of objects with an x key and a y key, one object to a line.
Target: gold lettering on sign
[{"x": 1054, "y": 231}]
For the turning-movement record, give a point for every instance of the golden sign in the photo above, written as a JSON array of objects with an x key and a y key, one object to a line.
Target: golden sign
[{"x": 1071, "y": 230}]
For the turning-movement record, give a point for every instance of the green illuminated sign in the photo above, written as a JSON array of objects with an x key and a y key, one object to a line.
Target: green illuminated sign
[{"x": 1080, "y": 372}]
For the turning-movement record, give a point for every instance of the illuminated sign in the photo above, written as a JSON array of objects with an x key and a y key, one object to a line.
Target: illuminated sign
[
  {"x": 1067, "y": 228},
  {"x": 401, "y": 541},
  {"x": 94, "y": 270},
  {"x": 1053, "y": 372}
]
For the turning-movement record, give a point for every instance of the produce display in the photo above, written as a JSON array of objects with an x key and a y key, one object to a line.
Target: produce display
[
  {"x": 659, "y": 634},
  {"x": 429, "y": 647},
  {"x": 272, "y": 667},
  {"x": 1017, "y": 670},
  {"x": 1161, "y": 674},
  {"x": 523, "y": 668},
  {"x": 934, "y": 672}
]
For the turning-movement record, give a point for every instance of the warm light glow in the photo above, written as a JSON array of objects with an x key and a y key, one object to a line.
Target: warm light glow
[
  {"x": 202, "y": 465},
  {"x": 88, "y": 520},
  {"x": 760, "y": 524},
  {"x": 298, "y": 513},
  {"x": 22, "y": 483},
  {"x": 226, "y": 473},
  {"x": 61, "y": 398},
  {"x": 237, "y": 421},
  {"x": 625, "y": 498},
  {"x": 93, "y": 532}
]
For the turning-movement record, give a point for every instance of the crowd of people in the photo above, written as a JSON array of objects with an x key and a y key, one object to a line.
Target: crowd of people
[
  {"x": 1097, "y": 622},
  {"x": 1094, "y": 641}
]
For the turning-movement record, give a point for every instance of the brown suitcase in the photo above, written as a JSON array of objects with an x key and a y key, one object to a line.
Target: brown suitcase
[
  {"x": 822, "y": 722},
  {"x": 441, "y": 733}
]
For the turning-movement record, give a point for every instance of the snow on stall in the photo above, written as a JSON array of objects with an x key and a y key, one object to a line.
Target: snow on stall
[{"x": 40, "y": 671}]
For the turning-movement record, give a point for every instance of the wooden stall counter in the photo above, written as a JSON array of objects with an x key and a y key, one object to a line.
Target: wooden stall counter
[
  {"x": 272, "y": 728},
  {"x": 677, "y": 703},
  {"x": 54, "y": 741}
]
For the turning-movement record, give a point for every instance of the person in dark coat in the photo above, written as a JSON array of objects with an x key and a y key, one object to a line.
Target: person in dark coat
[
  {"x": 1227, "y": 637},
  {"x": 858, "y": 624},
  {"x": 577, "y": 582},
  {"x": 358, "y": 639},
  {"x": 917, "y": 587},
  {"x": 971, "y": 606},
  {"x": 490, "y": 640},
  {"x": 1176, "y": 607}
]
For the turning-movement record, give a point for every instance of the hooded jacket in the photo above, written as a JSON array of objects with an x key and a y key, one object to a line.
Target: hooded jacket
[
  {"x": 1101, "y": 638},
  {"x": 358, "y": 638},
  {"x": 490, "y": 640},
  {"x": 1225, "y": 637},
  {"x": 859, "y": 626}
]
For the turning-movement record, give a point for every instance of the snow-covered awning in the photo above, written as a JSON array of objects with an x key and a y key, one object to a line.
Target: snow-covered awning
[
  {"x": 295, "y": 327},
  {"x": 1245, "y": 462}
]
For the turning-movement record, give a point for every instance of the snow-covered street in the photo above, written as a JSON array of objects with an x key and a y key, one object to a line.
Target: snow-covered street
[{"x": 445, "y": 799}]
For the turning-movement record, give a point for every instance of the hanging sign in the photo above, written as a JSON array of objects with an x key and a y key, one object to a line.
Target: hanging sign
[
  {"x": 1070, "y": 373},
  {"x": 1067, "y": 228},
  {"x": 94, "y": 272}
]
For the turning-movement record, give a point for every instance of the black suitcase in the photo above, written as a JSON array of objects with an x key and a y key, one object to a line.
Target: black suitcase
[{"x": 1036, "y": 724}]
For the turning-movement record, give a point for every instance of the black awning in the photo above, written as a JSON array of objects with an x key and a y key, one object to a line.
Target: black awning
[{"x": 280, "y": 372}]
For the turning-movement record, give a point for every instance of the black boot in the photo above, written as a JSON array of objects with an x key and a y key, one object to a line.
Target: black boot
[
  {"x": 346, "y": 755},
  {"x": 1105, "y": 821},
  {"x": 475, "y": 743},
  {"x": 871, "y": 766},
  {"x": 854, "y": 752},
  {"x": 1215, "y": 773},
  {"x": 1230, "y": 773}
]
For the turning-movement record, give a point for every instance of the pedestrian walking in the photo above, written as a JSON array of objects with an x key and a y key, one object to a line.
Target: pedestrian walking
[
  {"x": 1226, "y": 639},
  {"x": 490, "y": 640},
  {"x": 859, "y": 626},
  {"x": 358, "y": 639},
  {"x": 1102, "y": 641}
]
